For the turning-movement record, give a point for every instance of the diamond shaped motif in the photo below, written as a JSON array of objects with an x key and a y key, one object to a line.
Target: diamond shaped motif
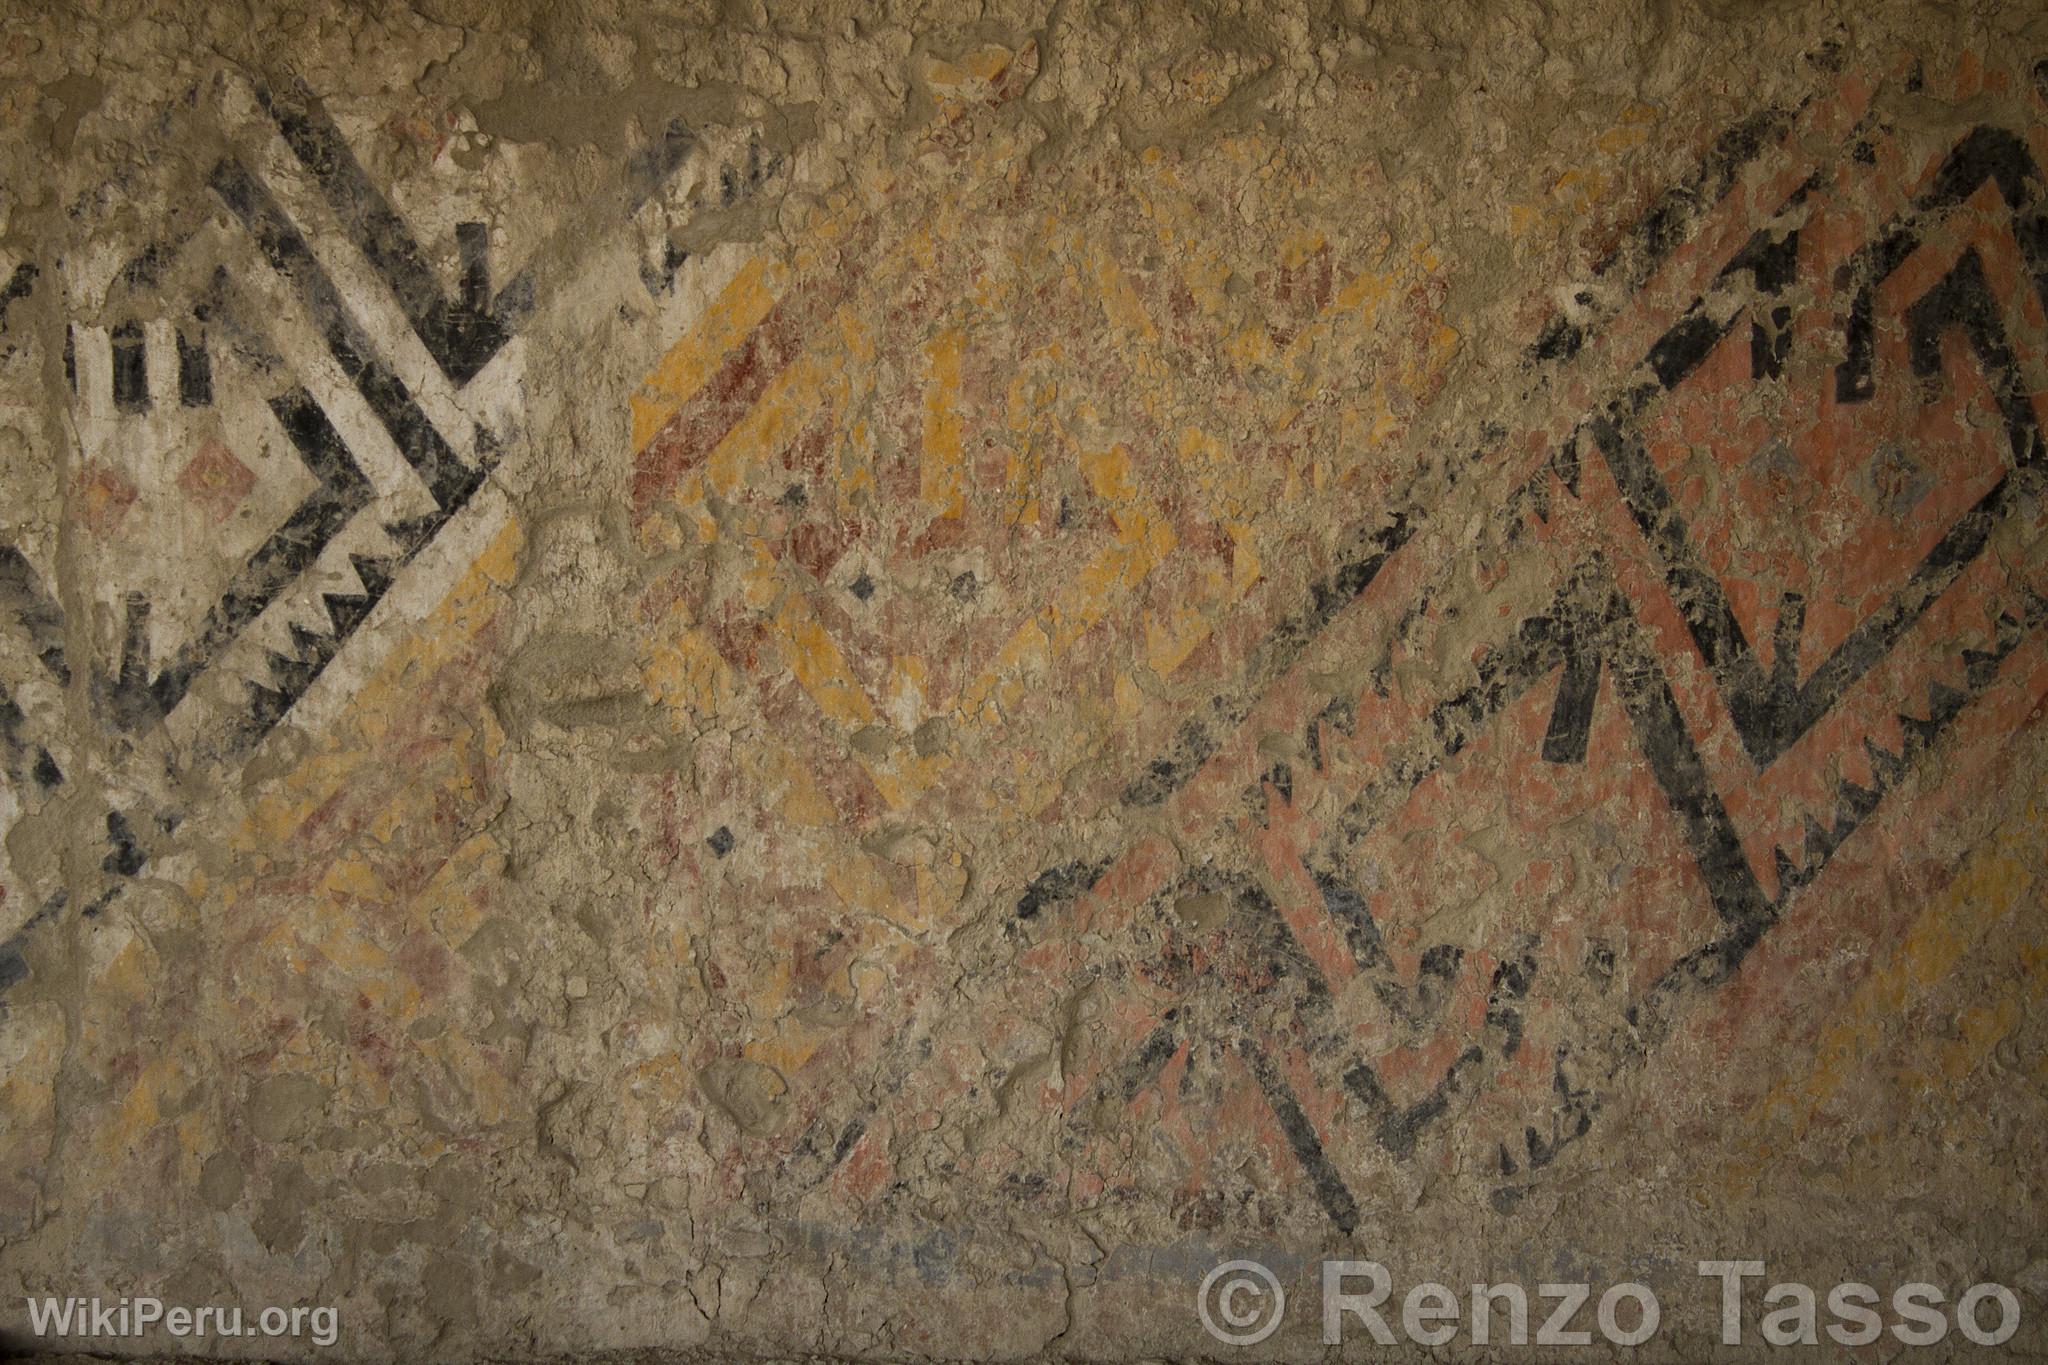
[
  {"x": 105, "y": 497},
  {"x": 216, "y": 480}
]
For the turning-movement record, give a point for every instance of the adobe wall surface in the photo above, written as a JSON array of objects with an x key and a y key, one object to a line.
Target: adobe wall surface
[{"x": 726, "y": 681}]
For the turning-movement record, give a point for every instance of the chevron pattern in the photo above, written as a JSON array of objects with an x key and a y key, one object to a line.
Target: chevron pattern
[
  {"x": 196, "y": 688},
  {"x": 1724, "y": 726}
]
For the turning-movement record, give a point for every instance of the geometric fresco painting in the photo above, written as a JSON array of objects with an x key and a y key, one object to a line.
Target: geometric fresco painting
[
  {"x": 1040, "y": 687},
  {"x": 1759, "y": 734}
]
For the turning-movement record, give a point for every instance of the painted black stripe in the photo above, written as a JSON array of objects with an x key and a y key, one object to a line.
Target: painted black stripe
[
  {"x": 1331, "y": 1191},
  {"x": 289, "y": 550},
  {"x": 195, "y": 371},
  {"x": 22, "y": 596},
  {"x": 17, "y": 288},
  {"x": 1201, "y": 736},
  {"x": 131, "y": 368},
  {"x": 418, "y": 441},
  {"x": 462, "y": 333}
]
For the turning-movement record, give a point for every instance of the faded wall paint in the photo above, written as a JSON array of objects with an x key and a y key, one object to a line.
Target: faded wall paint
[{"x": 875, "y": 684}]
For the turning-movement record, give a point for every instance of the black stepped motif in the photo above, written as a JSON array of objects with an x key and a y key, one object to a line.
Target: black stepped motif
[
  {"x": 735, "y": 183},
  {"x": 1591, "y": 630},
  {"x": 134, "y": 699},
  {"x": 1772, "y": 710},
  {"x": 462, "y": 331}
]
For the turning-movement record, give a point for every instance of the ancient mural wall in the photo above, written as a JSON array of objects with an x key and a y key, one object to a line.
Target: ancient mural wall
[{"x": 879, "y": 681}]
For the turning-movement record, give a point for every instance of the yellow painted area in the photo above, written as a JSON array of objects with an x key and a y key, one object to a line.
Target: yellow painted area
[
  {"x": 31, "y": 1051},
  {"x": 736, "y": 311},
  {"x": 970, "y": 79},
  {"x": 904, "y": 694},
  {"x": 1337, "y": 334},
  {"x": 792, "y": 399},
  {"x": 331, "y": 927},
  {"x": 445, "y": 904},
  {"x": 1632, "y": 131},
  {"x": 738, "y": 308},
  {"x": 857, "y": 879},
  {"x": 686, "y": 673},
  {"x": 1573, "y": 195},
  {"x": 1029, "y": 405},
  {"x": 816, "y": 387},
  {"x": 820, "y": 668},
  {"x": 1143, "y": 540},
  {"x": 140, "y": 1108},
  {"x": 800, "y": 802},
  {"x": 859, "y": 884},
  {"x": 1172, "y": 634},
  {"x": 446, "y": 631},
  {"x": 1137, "y": 337},
  {"x": 942, "y": 482},
  {"x": 838, "y": 380},
  {"x": 810, "y": 387},
  {"x": 1993, "y": 880}
]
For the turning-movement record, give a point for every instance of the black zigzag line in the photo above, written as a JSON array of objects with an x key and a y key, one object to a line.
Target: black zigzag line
[
  {"x": 1371, "y": 546},
  {"x": 1767, "y": 259},
  {"x": 293, "y": 674},
  {"x": 1589, "y": 616},
  {"x": 131, "y": 699},
  {"x": 1398, "y": 1129},
  {"x": 1562, "y": 637},
  {"x": 274, "y": 566},
  {"x": 279, "y": 562},
  {"x": 1772, "y": 710}
]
